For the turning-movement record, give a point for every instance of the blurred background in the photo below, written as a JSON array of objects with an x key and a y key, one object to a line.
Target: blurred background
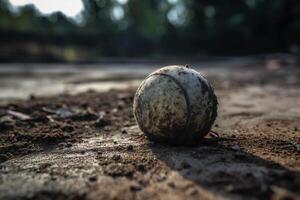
[
  {"x": 67, "y": 46},
  {"x": 90, "y": 30}
]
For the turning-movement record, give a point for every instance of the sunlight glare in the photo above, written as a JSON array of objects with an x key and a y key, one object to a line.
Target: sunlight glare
[{"x": 70, "y": 8}]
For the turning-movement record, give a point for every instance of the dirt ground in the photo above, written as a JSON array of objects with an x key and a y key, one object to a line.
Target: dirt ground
[{"x": 88, "y": 146}]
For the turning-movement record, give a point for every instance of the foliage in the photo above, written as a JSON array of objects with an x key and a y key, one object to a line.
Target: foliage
[{"x": 160, "y": 27}]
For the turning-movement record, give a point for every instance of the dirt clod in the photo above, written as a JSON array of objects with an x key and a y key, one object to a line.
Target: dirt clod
[{"x": 93, "y": 178}]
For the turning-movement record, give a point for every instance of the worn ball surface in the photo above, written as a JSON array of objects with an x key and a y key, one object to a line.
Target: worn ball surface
[{"x": 175, "y": 105}]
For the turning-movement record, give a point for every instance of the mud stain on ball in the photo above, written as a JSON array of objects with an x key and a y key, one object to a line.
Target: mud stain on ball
[{"x": 175, "y": 105}]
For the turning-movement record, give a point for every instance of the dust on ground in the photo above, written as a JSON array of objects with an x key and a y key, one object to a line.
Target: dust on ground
[{"x": 88, "y": 146}]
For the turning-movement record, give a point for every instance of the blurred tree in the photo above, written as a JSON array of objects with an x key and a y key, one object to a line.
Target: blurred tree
[
  {"x": 158, "y": 27},
  {"x": 147, "y": 18},
  {"x": 97, "y": 16},
  {"x": 6, "y": 17},
  {"x": 26, "y": 19},
  {"x": 59, "y": 24}
]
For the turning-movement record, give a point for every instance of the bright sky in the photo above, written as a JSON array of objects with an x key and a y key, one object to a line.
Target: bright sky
[{"x": 69, "y": 7}]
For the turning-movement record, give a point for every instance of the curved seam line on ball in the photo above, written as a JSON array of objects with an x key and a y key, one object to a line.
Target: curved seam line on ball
[{"x": 185, "y": 94}]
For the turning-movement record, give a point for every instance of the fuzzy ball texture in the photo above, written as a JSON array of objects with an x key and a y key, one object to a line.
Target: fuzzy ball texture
[{"x": 175, "y": 105}]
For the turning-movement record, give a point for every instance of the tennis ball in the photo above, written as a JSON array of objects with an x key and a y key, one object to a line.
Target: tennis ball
[{"x": 175, "y": 105}]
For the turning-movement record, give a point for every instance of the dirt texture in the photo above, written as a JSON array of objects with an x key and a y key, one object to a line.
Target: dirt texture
[{"x": 88, "y": 146}]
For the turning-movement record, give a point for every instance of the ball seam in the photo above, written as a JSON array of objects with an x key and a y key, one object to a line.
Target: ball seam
[{"x": 185, "y": 94}]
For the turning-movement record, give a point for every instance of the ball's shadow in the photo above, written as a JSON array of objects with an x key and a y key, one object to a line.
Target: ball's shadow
[{"x": 227, "y": 172}]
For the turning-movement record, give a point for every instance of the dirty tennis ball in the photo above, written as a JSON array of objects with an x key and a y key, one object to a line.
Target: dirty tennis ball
[{"x": 175, "y": 105}]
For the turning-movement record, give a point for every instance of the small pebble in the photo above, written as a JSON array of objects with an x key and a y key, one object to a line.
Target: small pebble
[
  {"x": 236, "y": 147},
  {"x": 93, "y": 178},
  {"x": 171, "y": 184},
  {"x": 102, "y": 122},
  {"x": 82, "y": 152},
  {"x": 130, "y": 147},
  {"x": 192, "y": 191},
  {"x": 135, "y": 188}
]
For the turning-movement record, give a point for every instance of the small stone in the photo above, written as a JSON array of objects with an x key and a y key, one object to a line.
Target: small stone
[
  {"x": 64, "y": 113},
  {"x": 115, "y": 110},
  {"x": 192, "y": 191},
  {"x": 102, "y": 122},
  {"x": 130, "y": 147},
  {"x": 93, "y": 178},
  {"x": 82, "y": 152},
  {"x": 135, "y": 188},
  {"x": 236, "y": 147},
  {"x": 161, "y": 177},
  {"x": 171, "y": 184},
  {"x": 107, "y": 128}
]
